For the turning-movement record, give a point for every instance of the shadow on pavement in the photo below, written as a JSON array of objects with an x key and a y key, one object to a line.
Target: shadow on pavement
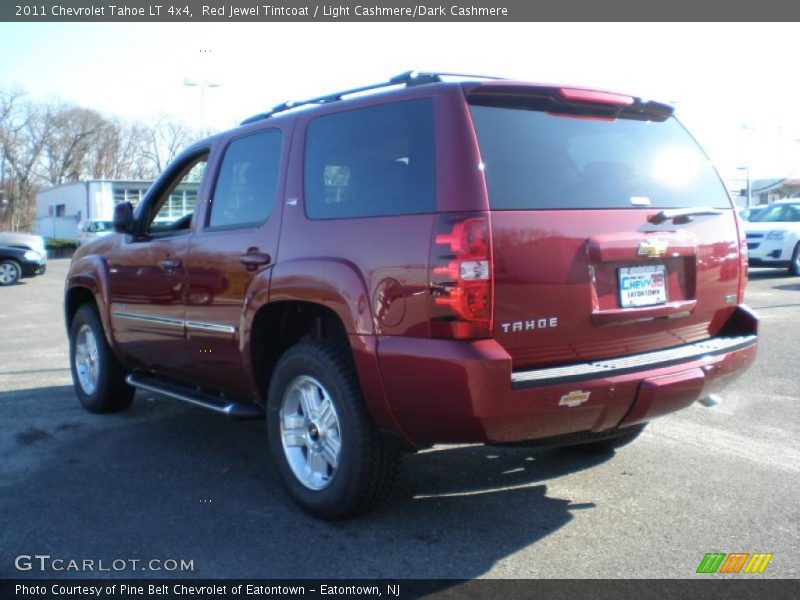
[
  {"x": 777, "y": 273},
  {"x": 162, "y": 480}
]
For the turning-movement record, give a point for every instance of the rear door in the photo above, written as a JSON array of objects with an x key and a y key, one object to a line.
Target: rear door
[
  {"x": 586, "y": 264},
  {"x": 232, "y": 253}
]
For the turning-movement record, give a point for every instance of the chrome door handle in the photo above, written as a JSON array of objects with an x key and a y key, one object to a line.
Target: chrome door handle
[
  {"x": 253, "y": 260},
  {"x": 170, "y": 264}
]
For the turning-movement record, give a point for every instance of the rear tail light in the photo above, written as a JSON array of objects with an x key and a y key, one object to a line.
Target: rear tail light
[{"x": 461, "y": 277}]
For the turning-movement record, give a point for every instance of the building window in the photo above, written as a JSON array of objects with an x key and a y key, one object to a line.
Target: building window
[{"x": 61, "y": 210}]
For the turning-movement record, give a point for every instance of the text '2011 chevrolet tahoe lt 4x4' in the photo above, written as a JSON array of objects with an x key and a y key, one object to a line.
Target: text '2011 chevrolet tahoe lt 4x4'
[{"x": 437, "y": 261}]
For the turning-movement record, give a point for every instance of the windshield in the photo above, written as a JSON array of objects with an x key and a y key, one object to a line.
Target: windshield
[
  {"x": 539, "y": 160},
  {"x": 777, "y": 213},
  {"x": 103, "y": 226}
]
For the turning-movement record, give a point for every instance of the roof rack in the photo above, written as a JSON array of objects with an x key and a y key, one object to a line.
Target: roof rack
[{"x": 409, "y": 79}]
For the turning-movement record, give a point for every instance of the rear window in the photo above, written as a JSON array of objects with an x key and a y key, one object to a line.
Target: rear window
[
  {"x": 536, "y": 160},
  {"x": 371, "y": 162}
]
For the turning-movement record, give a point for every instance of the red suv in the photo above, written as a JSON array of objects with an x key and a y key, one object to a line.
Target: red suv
[{"x": 434, "y": 261}]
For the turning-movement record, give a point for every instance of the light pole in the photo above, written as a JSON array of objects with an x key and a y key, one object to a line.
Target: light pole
[
  {"x": 749, "y": 190},
  {"x": 202, "y": 85}
]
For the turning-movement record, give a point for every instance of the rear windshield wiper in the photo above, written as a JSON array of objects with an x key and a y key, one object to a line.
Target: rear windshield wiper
[{"x": 680, "y": 216}]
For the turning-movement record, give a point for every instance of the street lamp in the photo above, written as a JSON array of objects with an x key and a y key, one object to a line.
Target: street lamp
[
  {"x": 202, "y": 85},
  {"x": 749, "y": 190}
]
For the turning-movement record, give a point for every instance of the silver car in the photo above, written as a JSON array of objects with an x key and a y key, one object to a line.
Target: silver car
[{"x": 29, "y": 241}]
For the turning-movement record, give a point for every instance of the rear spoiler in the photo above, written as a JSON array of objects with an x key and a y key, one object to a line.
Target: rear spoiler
[{"x": 569, "y": 101}]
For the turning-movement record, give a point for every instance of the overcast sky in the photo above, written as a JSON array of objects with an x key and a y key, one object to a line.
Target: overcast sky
[{"x": 735, "y": 85}]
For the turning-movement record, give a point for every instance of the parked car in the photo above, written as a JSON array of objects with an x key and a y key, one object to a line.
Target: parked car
[
  {"x": 773, "y": 236},
  {"x": 92, "y": 228},
  {"x": 434, "y": 262},
  {"x": 748, "y": 213},
  {"x": 16, "y": 263},
  {"x": 30, "y": 241}
]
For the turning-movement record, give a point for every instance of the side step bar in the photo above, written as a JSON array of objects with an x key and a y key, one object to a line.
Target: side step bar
[{"x": 217, "y": 404}]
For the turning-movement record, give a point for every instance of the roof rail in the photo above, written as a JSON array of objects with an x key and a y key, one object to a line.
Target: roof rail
[{"x": 409, "y": 79}]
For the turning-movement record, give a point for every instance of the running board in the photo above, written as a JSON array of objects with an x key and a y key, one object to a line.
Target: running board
[{"x": 217, "y": 404}]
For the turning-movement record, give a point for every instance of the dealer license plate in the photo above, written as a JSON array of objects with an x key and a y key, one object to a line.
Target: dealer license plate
[{"x": 642, "y": 286}]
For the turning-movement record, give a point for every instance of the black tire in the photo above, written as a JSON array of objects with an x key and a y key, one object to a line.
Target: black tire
[
  {"x": 111, "y": 393},
  {"x": 12, "y": 272},
  {"x": 794, "y": 266},
  {"x": 367, "y": 468},
  {"x": 606, "y": 441}
]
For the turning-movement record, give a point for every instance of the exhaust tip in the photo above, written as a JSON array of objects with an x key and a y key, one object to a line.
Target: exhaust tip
[{"x": 711, "y": 400}]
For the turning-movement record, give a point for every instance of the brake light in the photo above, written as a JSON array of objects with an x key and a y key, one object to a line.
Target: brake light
[
  {"x": 596, "y": 96},
  {"x": 461, "y": 277}
]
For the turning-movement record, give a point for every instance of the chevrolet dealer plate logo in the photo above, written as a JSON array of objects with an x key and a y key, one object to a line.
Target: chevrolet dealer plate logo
[
  {"x": 653, "y": 247},
  {"x": 575, "y": 398}
]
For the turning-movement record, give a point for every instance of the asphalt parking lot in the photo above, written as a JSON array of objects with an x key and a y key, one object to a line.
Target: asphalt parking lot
[{"x": 169, "y": 481}]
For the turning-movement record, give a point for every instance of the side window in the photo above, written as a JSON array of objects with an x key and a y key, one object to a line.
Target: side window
[
  {"x": 173, "y": 210},
  {"x": 371, "y": 162},
  {"x": 247, "y": 185}
]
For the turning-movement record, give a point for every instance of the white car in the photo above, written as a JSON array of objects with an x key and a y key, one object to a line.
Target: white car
[
  {"x": 773, "y": 236},
  {"x": 28, "y": 241},
  {"x": 92, "y": 228}
]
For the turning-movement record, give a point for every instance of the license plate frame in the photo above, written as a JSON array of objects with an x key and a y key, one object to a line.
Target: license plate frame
[{"x": 641, "y": 286}]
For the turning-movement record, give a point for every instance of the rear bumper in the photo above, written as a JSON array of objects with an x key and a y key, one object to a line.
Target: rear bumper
[{"x": 442, "y": 391}]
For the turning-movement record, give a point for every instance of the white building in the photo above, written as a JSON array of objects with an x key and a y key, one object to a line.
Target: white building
[{"x": 61, "y": 208}]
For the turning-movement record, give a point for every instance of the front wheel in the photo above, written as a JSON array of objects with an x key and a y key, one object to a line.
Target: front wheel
[
  {"x": 98, "y": 378},
  {"x": 331, "y": 458},
  {"x": 794, "y": 266},
  {"x": 10, "y": 272}
]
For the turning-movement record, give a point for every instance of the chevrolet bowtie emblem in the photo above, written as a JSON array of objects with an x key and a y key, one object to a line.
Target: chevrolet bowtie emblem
[
  {"x": 575, "y": 398},
  {"x": 653, "y": 247}
]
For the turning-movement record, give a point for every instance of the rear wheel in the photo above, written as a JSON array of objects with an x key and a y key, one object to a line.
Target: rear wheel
[
  {"x": 794, "y": 267},
  {"x": 10, "y": 272},
  {"x": 98, "y": 378},
  {"x": 332, "y": 460}
]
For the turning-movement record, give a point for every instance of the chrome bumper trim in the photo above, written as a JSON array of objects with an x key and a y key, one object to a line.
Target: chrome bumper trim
[{"x": 629, "y": 364}]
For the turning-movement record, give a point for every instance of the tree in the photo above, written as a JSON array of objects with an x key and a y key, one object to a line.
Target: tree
[
  {"x": 165, "y": 139},
  {"x": 23, "y": 134},
  {"x": 73, "y": 135},
  {"x": 46, "y": 144}
]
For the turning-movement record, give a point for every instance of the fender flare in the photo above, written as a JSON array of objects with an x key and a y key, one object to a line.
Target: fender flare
[
  {"x": 91, "y": 273},
  {"x": 333, "y": 283}
]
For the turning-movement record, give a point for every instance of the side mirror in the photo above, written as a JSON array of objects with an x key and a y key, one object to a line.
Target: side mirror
[{"x": 123, "y": 217}]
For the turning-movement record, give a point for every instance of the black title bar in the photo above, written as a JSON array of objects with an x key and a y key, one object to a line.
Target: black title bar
[
  {"x": 706, "y": 587},
  {"x": 394, "y": 10}
]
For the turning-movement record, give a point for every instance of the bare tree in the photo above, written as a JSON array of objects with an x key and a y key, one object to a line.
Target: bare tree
[
  {"x": 118, "y": 150},
  {"x": 23, "y": 134},
  {"x": 166, "y": 138},
  {"x": 47, "y": 144},
  {"x": 74, "y": 133}
]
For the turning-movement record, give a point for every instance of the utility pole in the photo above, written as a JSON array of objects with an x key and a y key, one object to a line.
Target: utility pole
[
  {"x": 202, "y": 85},
  {"x": 749, "y": 188}
]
